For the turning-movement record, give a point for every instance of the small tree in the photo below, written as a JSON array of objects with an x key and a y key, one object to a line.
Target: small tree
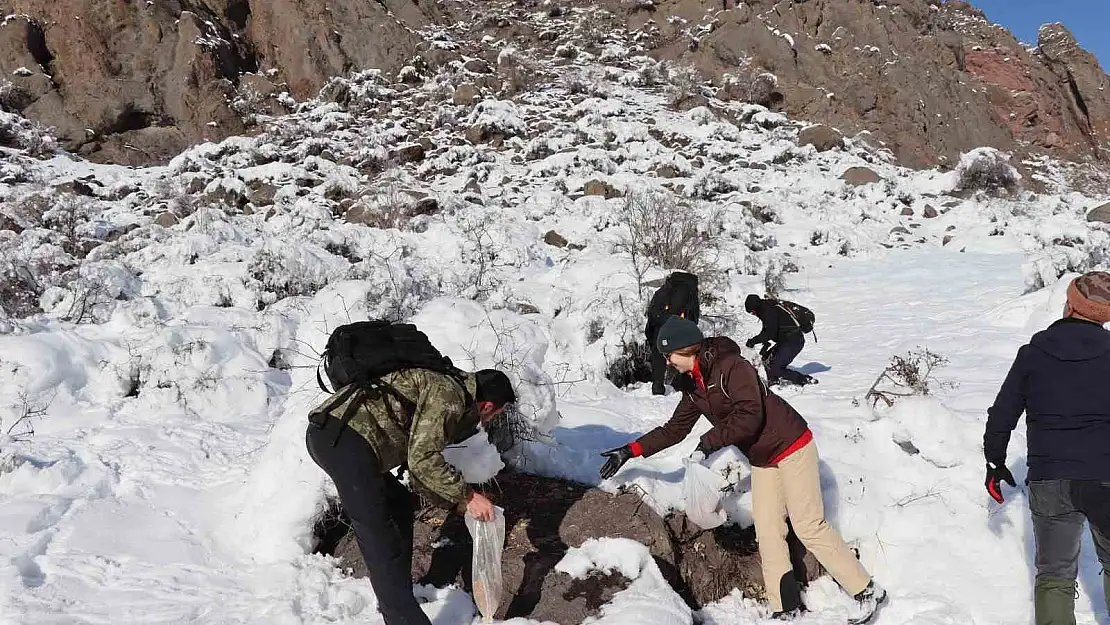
[{"x": 660, "y": 232}]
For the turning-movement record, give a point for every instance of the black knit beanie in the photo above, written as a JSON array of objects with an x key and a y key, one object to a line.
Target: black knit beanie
[{"x": 677, "y": 333}]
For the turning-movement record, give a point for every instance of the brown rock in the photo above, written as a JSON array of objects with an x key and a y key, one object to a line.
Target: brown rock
[
  {"x": 7, "y": 223},
  {"x": 822, "y": 137},
  {"x": 856, "y": 176},
  {"x": 947, "y": 239},
  {"x": 408, "y": 153},
  {"x": 907, "y": 212},
  {"x": 477, "y": 66},
  {"x": 262, "y": 194},
  {"x": 426, "y": 206},
  {"x": 666, "y": 171},
  {"x": 545, "y": 517},
  {"x": 465, "y": 93},
  {"x": 1100, "y": 214},
  {"x": 166, "y": 219},
  {"x": 604, "y": 189},
  {"x": 555, "y": 239},
  {"x": 930, "y": 212}
]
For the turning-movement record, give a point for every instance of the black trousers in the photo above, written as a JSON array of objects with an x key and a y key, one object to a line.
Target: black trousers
[
  {"x": 782, "y": 355},
  {"x": 658, "y": 373},
  {"x": 381, "y": 513}
]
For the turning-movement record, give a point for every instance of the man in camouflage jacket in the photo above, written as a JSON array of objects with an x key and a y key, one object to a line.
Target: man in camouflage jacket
[{"x": 412, "y": 425}]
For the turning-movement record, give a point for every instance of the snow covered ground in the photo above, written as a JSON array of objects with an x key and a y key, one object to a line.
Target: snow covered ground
[{"x": 169, "y": 373}]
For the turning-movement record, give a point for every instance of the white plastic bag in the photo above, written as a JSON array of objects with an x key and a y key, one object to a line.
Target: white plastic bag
[
  {"x": 702, "y": 488},
  {"x": 489, "y": 540}
]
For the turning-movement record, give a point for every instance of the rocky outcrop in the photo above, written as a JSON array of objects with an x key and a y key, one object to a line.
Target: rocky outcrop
[
  {"x": 930, "y": 79},
  {"x": 137, "y": 82},
  {"x": 545, "y": 517}
]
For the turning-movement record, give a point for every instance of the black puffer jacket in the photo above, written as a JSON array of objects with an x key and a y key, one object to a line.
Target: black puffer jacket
[{"x": 778, "y": 325}]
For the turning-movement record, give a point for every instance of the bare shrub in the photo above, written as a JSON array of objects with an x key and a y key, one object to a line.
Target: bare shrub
[
  {"x": 908, "y": 375},
  {"x": 21, "y": 426},
  {"x": 660, "y": 232},
  {"x": 632, "y": 364},
  {"x": 774, "y": 282},
  {"x": 986, "y": 169},
  {"x": 684, "y": 83},
  {"x": 518, "y": 73}
]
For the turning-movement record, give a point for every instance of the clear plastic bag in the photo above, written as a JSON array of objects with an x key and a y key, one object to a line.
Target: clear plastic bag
[
  {"x": 702, "y": 488},
  {"x": 489, "y": 540}
]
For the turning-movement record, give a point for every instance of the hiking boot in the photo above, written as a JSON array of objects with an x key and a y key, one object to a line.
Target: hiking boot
[
  {"x": 868, "y": 601},
  {"x": 658, "y": 389},
  {"x": 788, "y": 615}
]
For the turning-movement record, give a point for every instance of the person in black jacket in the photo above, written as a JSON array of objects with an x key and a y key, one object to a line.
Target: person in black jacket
[
  {"x": 678, "y": 296},
  {"x": 778, "y": 326},
  {"x": 1060, "y": 381}
]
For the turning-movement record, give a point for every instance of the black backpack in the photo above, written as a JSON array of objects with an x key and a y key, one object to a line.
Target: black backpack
[
  {"x": 359, "y": 354},
  {"x": 677, "y": 296},
  {"x": 802, "y": 316}
]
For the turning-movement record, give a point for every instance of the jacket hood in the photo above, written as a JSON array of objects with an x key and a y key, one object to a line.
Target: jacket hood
[
  {"x": 1073, "y": 340},
  {"x": 682, "y": 276}
]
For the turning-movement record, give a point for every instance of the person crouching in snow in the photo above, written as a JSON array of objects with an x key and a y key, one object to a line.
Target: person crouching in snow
[
  {"x": 778, "y": 443},
  {"x": 1059, "y": 380}
]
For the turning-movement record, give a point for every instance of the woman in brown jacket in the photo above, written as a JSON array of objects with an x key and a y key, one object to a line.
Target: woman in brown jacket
[{"x": 778, "y": 443}]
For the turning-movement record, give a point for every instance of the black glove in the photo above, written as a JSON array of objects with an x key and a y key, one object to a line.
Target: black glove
[
  {"x": 616, "y": 459},
  {"x": 750, "y": 343},
  {"x": 997, "y": 473},
  {"x": 703, "y": 448}
]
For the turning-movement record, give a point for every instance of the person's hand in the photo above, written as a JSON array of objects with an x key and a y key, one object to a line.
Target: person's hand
[
  {"x": 996, "y": 474},
  {"x": 479, "y": 507},
  {"x": 616, "y": 459}
]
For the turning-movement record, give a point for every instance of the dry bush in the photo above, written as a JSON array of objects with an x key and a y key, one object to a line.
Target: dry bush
[
  {"x": 908, "y": 375},
  {"x": 986, "y": 169},
  {"x": 659, "y": 232},
  {"x": 684, "y": 83}
]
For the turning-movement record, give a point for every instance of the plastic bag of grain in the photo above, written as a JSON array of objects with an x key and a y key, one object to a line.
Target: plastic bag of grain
[
  {"x": 702, "y": 488},
  {"x": 489, "y": 540}
]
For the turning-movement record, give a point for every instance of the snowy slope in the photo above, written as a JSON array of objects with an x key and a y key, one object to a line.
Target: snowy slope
[{"x": 168, "y": 378}]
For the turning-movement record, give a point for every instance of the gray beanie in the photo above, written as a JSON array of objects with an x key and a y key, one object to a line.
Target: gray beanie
[{"x": 677, "y": 333}]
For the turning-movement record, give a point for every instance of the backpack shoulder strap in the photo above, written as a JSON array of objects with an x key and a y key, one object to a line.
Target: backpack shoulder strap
[{"x": 786, "y": 308}]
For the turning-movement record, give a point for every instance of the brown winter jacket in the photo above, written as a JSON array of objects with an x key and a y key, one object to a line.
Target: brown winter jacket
[{"x": 732, "y": 404}]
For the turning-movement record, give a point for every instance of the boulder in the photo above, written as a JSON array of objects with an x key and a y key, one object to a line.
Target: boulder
[
  {"x": 1100, "y": 214},
  {"x": 856, "y": 176},
  {"x": 930, "y": 212},
  {"x": 545, "y": 517},
  {"x": 555, "y": 239},
  {"x": 822, "y": 137},
  {"x": 602, "y": 188},
  {"x": 477, "y": 66},
  {"x": 166, "y": 219},
  {"x": 407, "y": 153},
  {"x": 262, "y": 194},
  {"x": 465, "y": 93}
]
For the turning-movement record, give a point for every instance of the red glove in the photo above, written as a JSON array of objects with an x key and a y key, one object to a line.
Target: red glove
[{"x": 997, "y": 473}]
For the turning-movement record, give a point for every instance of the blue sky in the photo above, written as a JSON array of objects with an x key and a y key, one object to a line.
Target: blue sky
[{"x": 1088, "y": 20}]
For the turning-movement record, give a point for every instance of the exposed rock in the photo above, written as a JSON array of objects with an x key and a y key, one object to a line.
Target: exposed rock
[
  {"x": 666, "y": 171},
  {"x": 426, "y": 206},
  {"x": 947, "y": 239},
  {"x": 7, "y": 223},
  {"x": 604, "y": 189},
  {"x": 465, "y": 93},
  {"x": 1100, "y": 214},
  {"x": 545, "y": 517},
  {"x": 930, "y": 212},
  {"x": 166, "y": 219},
  {"x": 907, "y": 212},
  {"x": 262, "y": 194},
  {"x": 821, "y": 137},
  {"x": 407, "y": 153},
  {"x": 525, "y": 308},
  {"x": 555, "y": 239},
  {"x": 477, "y": 66},
  {"x": 856, "y": 176}
]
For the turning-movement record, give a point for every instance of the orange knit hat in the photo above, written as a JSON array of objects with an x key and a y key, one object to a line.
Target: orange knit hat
[{"x": 1089, "y": 296}]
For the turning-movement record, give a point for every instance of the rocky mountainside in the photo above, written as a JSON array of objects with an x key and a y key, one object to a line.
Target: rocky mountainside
[{"x": 135, "y": 82}]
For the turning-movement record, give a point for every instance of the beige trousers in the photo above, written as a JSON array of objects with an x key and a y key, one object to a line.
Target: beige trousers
[{"x": 793, "y": 488}]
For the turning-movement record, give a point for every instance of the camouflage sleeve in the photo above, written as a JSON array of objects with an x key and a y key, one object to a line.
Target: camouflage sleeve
[{"x": 440, "y": 402}]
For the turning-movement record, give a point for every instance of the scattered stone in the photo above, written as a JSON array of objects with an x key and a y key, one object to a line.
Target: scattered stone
[
  {"x": 947, "y": 239},
  {"x": 930, "y": 212},
  {"x": 262, "y": 194},
  {"x": 477, "y": 66},
  {"x": 899, "y": 230},
  {"x": 464, "y": 94},
  {"x": 408, "y": 153},
  {"x": 604, "y": 189},
  {"x": 667, "y": 171},
  {"x": 166, "y": 219},
  {"x": 822, "y": 137},
  {"x": 525, "y": 308},
  {"x": 907, "y": 212},
  {"x": 554, "y": 238},
  {"x": 856, "y": 176},
  {"x": 426, "y": 206}
]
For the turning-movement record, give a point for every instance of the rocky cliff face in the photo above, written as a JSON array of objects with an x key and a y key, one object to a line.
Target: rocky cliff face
[{"x": 135, "y": 82}]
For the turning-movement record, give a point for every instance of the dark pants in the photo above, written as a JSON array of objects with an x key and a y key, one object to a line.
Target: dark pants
[
  {"x": 784, "y": 353},
  {"x": 1060, "y": 508},
  {"x": 658, "y": 373},
  {"x": 381, "y": 513}
]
